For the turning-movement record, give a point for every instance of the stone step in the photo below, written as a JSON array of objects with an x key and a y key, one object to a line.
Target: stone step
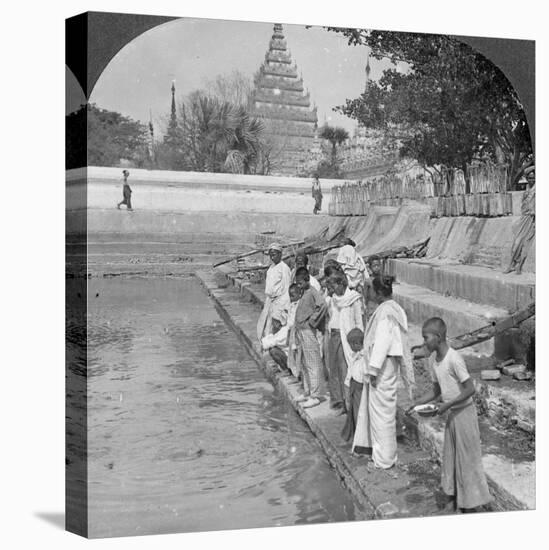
[
  {"x": 461, "y": 316},
  {"x": 506, "y": 411},
  {"x": 470, "y": 282}
]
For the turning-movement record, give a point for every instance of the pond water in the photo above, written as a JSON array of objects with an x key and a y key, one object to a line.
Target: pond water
[{"x": 185, "y": 432}]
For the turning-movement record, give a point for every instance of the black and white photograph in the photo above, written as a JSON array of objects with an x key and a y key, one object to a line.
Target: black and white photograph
[
  {"x": 300, "y": 275},
  {"x": 270, "y": 275}
]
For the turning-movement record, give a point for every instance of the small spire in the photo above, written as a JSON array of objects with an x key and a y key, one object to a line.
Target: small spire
[
  {"x": 173, "y": 113},
  {"x": 367, "y": 85}
]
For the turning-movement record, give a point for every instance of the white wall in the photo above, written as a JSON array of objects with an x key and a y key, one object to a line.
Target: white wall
[{"x": 193, "y": 191}]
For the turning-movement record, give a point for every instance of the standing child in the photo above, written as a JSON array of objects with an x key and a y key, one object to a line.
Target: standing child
[
  {"x": 332, "y": 320},
  {"x": 345, "y": 315},
  {"x": 294, "y": 357},
  {"x": 309, "y": 317},
  {"x": 354, "y": 382},
  {"x": 463, "y": 479}
]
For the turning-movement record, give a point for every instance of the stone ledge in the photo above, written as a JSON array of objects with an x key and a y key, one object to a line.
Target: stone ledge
[{"x": 477, "y": 284}]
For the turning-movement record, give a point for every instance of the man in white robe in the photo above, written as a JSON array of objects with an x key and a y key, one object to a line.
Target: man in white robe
[
  {"x": 353, "y": 266},
  {"x": 387, "y": 354},
  {"x": 277, "y": 297}
]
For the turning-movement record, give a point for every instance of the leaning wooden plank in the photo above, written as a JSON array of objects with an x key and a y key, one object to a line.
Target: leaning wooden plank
[
  {"x": 415, "y": 251},
  {"x": 308, "y": 250},
  {"x": 252, "y": 252},
  {"x": 239, "y": 257},
  {"x": 484, "y": 333}
]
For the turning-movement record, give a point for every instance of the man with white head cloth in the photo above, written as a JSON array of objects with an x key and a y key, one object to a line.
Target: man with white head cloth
[
  {"x": 277, "y": 297},
  {"x": 352, "y": 265}
]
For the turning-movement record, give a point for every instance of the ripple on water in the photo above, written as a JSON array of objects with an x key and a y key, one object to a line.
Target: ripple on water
[{"x": 185, "y": 433}]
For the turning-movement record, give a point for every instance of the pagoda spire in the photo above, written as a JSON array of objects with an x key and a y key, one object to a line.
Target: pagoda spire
[
  {"x": 173, "y": 116},
  {"x": 173, "y": 130},
  {"x": 281, "y": 99}
]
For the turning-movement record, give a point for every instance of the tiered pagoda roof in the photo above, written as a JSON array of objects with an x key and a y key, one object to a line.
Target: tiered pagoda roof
[{"x": 282, "y": 100}]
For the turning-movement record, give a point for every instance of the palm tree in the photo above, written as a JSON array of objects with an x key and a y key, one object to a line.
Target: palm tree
[
  {"x": 336, "y": 136},
  {"x": 209, "y": 127},
  {"x": 246, "y": 138},
  {"x": 212, "y": 130}
]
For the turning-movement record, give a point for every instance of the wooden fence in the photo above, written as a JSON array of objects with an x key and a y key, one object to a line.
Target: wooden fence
[{"x": 445, "y": 191}]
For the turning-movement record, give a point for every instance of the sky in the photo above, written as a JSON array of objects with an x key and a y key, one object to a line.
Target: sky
[{"x": 192, "y": 51}]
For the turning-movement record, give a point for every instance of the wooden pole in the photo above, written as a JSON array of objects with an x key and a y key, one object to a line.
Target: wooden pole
[
  {"x": 403, "y": 251},
  {"x": 484, "y": 333},
  {"x": 308, "y": 250},
  {"x": 252, "y": 252}
]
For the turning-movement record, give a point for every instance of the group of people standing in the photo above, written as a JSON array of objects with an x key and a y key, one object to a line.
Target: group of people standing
[{"x": 345, "y": 329}]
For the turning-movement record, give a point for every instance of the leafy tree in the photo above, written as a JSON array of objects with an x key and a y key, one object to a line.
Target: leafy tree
[
  {"x": 451, "y": 105},
  {"x": 113, "y": 137},
  {"x": 235, "y": 88},
  {"x": 99, "y": 137}
]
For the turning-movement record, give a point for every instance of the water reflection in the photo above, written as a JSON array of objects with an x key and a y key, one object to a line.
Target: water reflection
[{"x": 185, "y": 433}]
